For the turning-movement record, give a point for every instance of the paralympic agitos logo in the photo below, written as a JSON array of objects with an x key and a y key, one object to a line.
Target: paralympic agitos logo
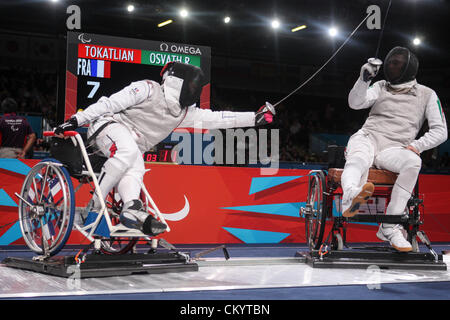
[
  {"x": 176, "y": 216},
  {"x": 82, "y": 39}
]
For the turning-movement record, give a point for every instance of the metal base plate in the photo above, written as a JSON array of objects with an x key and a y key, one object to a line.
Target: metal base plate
[
  {"x": 365, "y": 258},
  {"x": 100, "y": 265}
]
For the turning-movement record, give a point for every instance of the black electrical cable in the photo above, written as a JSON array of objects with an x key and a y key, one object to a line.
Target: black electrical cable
[{"x": 382, "y": 29}]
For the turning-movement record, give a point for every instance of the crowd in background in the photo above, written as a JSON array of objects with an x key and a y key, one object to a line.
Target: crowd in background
[
  {"x": 34, "y": 91},
  {"x": 297, "y": 118},
  {"x": 302, "y": 116}
]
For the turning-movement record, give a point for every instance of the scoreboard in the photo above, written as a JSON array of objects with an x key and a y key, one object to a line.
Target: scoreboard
[{"x": 100, "y": 65}]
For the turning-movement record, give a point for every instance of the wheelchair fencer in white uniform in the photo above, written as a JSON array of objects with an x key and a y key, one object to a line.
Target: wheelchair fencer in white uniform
[
  {"x": 388, "y": 139},
  {"x": 138, "y": 117}
]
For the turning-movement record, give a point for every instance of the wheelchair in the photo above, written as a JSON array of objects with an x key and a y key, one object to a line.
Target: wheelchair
[
  {"x": 326, "y": 228},
  {"x": 47, "y": 212}
]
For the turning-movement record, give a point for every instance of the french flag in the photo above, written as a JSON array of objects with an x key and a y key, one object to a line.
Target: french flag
[
  {"x": 56, "y": 190},
  {"x": 101, "y": 69}
]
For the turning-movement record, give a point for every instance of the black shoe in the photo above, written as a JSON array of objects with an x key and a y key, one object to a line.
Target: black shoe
[{"x": 153, "y": 227}]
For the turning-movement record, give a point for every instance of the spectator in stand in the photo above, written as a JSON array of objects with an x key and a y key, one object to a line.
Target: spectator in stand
[{"x": 16, "y": 135}]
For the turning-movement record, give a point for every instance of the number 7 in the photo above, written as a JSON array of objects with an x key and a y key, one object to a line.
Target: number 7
[{"x": 95, "y": 85}]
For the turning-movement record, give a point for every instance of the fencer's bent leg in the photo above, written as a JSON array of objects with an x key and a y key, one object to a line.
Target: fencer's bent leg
[
  {"x": 125, "y": 169},
  {"x": 129, "y": 187},
  {"x": 108, "y": 178},
  {"x": 116, "y": 143},
  {"x": 407, "y": 164},
  {"x": 359, "y": 158}
]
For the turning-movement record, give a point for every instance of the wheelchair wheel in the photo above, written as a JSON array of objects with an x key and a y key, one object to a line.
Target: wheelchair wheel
[
  {"x": 46, "y": 216},
  {"x": 116, "y": 245},
  {"x": 315, "y": 213}
]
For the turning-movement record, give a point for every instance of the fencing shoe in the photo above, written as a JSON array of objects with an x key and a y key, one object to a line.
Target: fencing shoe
[
  {"x": 353, "y": 199},
  {"x": 395, "y": 235},
  {"x": 134, "y": 217}
]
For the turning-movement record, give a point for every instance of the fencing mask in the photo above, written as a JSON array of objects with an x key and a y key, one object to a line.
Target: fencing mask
[
  {"x": 400, "y": 66},
  {"x": 182, "y": 82}
]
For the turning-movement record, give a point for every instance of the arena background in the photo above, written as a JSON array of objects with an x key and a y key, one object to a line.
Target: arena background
[{"x": 250, "y": 63}]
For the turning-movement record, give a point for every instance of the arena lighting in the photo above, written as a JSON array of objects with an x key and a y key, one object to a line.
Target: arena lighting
[
  {"x": 165, "y": 23},
  {"x": 227, "y": 19},
  {"x": 298, "y": 28},
  {"x": 275, "y": 24},
  {"x": 417, "y": 41},
  {"x": 333, "y": 32},
  {"x": 184, "y": 13},
  {"x": 130, "y": 8}
]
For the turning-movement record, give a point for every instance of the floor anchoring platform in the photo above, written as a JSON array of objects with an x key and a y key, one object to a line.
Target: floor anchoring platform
[
  {"x": 100, "y": 265},
  {"x": 363, "y": 258}
]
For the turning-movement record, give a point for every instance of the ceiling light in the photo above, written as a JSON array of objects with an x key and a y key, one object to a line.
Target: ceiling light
[
  {"x": 164, "y": 23},
  {"x": 130, "y": 8},
  {"x": 184, "y": 13},
  {"x": 227, "y": 19},
  {"x": 298, "y": 28},
  {"x": 275, "y": 24},
  {"x": 333, "y": 32}
]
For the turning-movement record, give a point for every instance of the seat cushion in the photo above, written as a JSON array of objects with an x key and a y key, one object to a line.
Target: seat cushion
[{"x": 376, "y": 176}]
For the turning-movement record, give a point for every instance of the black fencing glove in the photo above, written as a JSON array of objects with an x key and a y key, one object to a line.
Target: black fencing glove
[{"x": 69, "y": 125}]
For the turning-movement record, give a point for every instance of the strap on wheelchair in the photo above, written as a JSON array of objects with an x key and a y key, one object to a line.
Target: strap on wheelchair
[{"x": 97, "y": 132}]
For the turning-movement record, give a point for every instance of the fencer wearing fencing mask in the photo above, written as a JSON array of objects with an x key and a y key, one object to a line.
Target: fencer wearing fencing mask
[
  {"x": 182, "y": 83},
  {"x": 400, "y": 66},
  {"x": 137, "y": 118},
  {"x": 389, "y": 140}
]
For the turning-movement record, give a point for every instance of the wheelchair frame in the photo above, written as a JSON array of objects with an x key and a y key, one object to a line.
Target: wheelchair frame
[
  {"x": 38, "y": 213},
  {"x": 330, "y": 251}
]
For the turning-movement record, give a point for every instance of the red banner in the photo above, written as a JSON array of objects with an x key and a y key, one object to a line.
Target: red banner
[
  {"x": 89, "y": 51},
  {"x": 207, "y": 204}
]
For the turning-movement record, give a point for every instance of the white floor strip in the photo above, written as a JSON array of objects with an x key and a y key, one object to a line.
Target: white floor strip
[{"x": 213, "y": 274}]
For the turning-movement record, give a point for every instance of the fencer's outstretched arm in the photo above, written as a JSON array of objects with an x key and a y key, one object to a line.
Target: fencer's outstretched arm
[
  {"x": 208, "y": 119},
  {"x": 363, "y": 95},
  {"x": 437, "y": 124},
  {"x": 129, "y": 96}
]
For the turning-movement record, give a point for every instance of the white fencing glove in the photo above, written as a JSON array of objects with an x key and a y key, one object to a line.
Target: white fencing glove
[{"x": 369, "y": 71}]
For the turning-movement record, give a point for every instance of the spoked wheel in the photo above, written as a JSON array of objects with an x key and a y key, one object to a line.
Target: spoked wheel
[
  {"x": 47, "y": 207},
  {"x": 315, "y": 214},
  {"x": 116, "y": 245}
]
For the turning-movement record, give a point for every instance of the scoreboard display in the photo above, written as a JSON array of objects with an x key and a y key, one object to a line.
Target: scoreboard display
[{"x": 100, "y": 65}]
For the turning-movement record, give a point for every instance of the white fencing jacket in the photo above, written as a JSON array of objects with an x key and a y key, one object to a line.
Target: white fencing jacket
[
  {"x": 142, "y": 108},
  {"x": 396, "y": 118}
]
